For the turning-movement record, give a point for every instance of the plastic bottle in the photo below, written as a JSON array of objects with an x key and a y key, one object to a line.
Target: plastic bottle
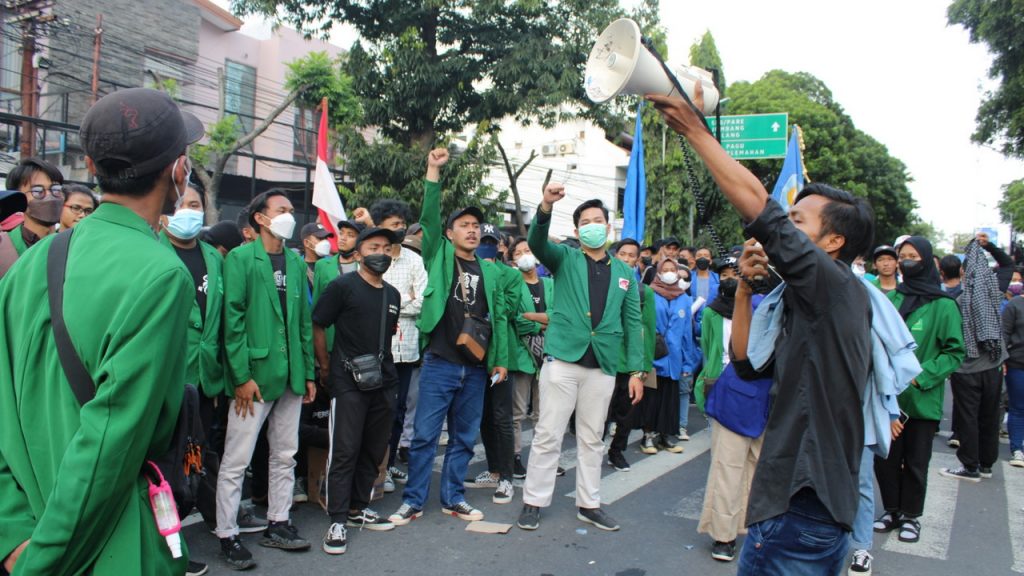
[{"x": 165, "y": 511}]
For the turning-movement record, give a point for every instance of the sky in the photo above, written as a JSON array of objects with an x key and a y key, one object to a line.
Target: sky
[{"x": 900, "y": 72}]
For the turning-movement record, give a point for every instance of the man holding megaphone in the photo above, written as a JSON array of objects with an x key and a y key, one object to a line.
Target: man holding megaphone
[{"x": 807, "y": 477}]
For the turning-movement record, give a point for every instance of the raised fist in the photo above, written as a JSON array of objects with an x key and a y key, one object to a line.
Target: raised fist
[
  {"x": 553, "y": 193},
  {"x": 362, "y": 215},
  {"x": 438, "y": 157}
]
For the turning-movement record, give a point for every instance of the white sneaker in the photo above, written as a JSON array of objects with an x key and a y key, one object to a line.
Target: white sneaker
[
  {"x": 683, "y": 436},
  {"x": 504, "y": 493},
  {"x": 1017, "y": 460},
  {"x": 483, "y": 480},
  {"x": 861, "y": 564},
  {"x": 389, "y": 483}
]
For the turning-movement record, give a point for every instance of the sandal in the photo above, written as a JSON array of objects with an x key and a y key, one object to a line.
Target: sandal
[
  {"x": 910, "y": 530},
  {"x": 887, "y": 522}
]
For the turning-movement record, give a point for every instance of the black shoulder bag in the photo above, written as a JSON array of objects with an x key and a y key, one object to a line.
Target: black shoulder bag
[
  {"x": 366, "y": 368},
  {"x": 475, "y": 336},
  {"x": 182, "y": 464}
]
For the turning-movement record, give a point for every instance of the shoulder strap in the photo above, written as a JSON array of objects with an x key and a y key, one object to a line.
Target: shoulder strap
[
  {"x": 383, "y": 321},
  {"x": 56, "y": 265}
]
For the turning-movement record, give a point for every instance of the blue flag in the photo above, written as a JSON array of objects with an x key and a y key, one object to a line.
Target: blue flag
[
  {"x": 791, "y": 178},
  {"x": 634, "y": 209}
]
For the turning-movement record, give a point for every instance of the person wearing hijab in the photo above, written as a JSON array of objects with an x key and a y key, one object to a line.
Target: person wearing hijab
[
  {"x": 935, "y": 323},
  {"x": 674, "y": 325}
]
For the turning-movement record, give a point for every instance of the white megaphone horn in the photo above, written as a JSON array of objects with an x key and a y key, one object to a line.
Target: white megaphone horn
[{"x": 619, "y": 63}]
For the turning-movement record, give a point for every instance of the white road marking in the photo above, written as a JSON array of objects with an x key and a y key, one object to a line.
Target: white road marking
[
  {"x": 1014, "y": 486},
  {"x": 690, "y": 507},
  {"x": 939, "y": 512}
]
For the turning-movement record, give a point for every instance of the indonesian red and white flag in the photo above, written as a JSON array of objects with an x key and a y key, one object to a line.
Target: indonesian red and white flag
[{"x": 326, "y": 197}]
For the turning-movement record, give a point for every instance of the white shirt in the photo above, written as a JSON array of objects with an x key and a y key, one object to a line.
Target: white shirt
[
  {"x": 726, "y": 339},
  {"x": 409, "y": 277}
]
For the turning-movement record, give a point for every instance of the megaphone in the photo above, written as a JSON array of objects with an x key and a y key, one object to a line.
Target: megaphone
[{"x": 619, "y": 63}]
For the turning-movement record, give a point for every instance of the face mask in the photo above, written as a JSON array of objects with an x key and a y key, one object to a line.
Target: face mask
[
  {"x": 487, "y": 251},
  {"x": 594, "y": 235},
  {"x": 323, "y": 248},
  {"x": 703, "y": 263},
  {"x": 347, "y": 254},
  {"x": 282, "y": 226},
  {"x": 47, "y": 210},
  {"x": 684, "y": 285},
  {"x": 185, "y": 224},
  {"x": 669, "y": 277},
  {"x": 399, "y": 235},
  {"x": 527, "y": 262},
  {"x": 858, "y": 270},
  {"x": 646, "y": 260},
  {"x": 1016, "y": 288},
  {"x": 378, "y": 263},
  {"x": 909, "y": 267},
  {"x": 727, "y": 287}
]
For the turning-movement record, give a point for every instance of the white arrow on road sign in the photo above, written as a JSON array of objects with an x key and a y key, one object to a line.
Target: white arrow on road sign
[{"x": 775, "y": 127}]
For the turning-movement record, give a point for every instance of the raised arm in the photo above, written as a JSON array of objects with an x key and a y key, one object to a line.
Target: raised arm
[
  {"x": 549, "y": 253},
  {"x": 430, "y": 216}
]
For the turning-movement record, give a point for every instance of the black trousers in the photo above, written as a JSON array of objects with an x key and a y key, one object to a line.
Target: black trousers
[
  {"x": 660, "y": 407},
  {"x": 496, "y": 429},
  {"x": 405, "y": 370},
  {"x": 903, "y": 476},
  {"x": 360, "y": 428},
  {"x": 976, "y": 413},
  {"x": 213, "y": 413},
  {"x": 621, "y": 411}
]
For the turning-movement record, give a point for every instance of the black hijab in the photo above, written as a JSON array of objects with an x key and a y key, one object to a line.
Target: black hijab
[
  {"x": 724, "y": 303},
  {"x": 921, "y": 284}
]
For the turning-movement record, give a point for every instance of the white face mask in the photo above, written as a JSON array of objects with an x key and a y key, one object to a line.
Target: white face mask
[
  {"x": 526, "y": 262},
  {"x": 684, "y": 285},
  {"x": 858, "y": 270},
  {"x": 282, "y": 226},
  {"x": 669, "y": 277},
  {"x": 323, "y": 248}
]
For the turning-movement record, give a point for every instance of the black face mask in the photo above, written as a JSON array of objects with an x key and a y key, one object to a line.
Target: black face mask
[
  {"x": 646, "y": 260},
  {"x": 347, "y": 254},
  {"x": 378, "y": 263},
  {"x": 910, "y": 267},
  {"x": 727, "y": 287},
  {"x": 399, "y": 235},
  {"x": 703, "y": 263}
]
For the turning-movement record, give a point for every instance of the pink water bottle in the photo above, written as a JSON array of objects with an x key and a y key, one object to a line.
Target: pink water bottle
[{"x": 161, "y": 499}]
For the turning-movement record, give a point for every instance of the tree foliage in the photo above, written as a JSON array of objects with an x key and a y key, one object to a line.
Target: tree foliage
[
  {"x": 999, "y": 24},
  {"x": 1011, "y": 206}
]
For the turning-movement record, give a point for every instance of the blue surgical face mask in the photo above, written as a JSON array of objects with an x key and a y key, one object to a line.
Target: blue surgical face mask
[
  {"x": 185, "y": 224},
  {"x": 594, "y": 235},
  {"x": 487, "y": 251}
]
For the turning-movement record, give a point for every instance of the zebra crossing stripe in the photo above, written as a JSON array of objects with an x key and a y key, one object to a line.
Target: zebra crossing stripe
[
  {"x": 1014, "y": 488},
  {"x": 937, "y": 520},
  {"x": 690, "y": 507}
]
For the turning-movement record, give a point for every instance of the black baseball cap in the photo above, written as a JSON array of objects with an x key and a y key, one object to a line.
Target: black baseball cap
[
  {"x": 11, "y": 202},
  {"x": 883, "y": 250},
  {"x": 488, "y": 230},
  {"x": 669, "y": 241},
  {"x": 351, "y": 225},
  {"x": 470, "y": 210},
  {"x": 373, "y": 232},
  {"x": 224, "y": 234},
  {"x": 315, "y": 229},
  {"x": 139, "y": 127},
  {"x": 724, "y": 262}
]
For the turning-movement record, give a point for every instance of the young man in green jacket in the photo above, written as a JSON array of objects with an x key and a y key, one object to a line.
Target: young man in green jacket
[
  {"x": 42, "y": 185},
  {"x": 596, "y": 312},
  {"x": 72, "y": 497},
  {"x": 268, "y": 336},
  {"x": 452, "y": 383}
]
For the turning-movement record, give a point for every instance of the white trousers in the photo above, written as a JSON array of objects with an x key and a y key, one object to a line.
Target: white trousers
[
  {"x": 282, "y": 417},
  {"x": 565, "y": 387}
]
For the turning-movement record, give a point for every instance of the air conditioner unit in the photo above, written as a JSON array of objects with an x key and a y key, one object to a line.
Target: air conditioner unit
[
  {"x": 549, "y": 150},
  {"x": 566, "y": 148}
]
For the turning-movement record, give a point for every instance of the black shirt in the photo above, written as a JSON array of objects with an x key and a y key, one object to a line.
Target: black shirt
[
  {"x": 599, "y": 278},
  {"x": 193, "y": 259},
  {"x": 537, "y": 292},
  {"x": 442, "y": 340},
  {"x": 815, "y": 433},
  {"x": 353, "y": 307},
  {"x": 278, "y": 263}
]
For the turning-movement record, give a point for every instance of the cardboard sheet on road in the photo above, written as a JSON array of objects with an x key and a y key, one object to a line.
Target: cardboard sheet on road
[{"x": 485, "y": 527}]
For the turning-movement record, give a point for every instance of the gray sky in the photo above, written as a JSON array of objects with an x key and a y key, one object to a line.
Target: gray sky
[{"x": 903, "y": 76}]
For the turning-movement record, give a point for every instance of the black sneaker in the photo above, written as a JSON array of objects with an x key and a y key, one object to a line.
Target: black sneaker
[
  {"x": 961, "y": 473},
  {"x": 518, "y": 470},
  {"x": 336, "y": 539},
  {"x": 618, "y": 461},
  {"x": 724, "y": 551},
  {"x": 370, "y": 520},
  {"x": 463, "y": 511},
  {"x": 405, "y": 514},
  {"x": 196, "y": 568},
  {"x": 663, "y": 442},
  {"x": 598, "y": 518},
  {"x": 236, "y": 555},
  {"x": 398, "y": 475},
  {"x": 559, "y": 471},
  {"x": 985, "y": 472},
  {"x": 283, "y": 535},
  {"x": 529, "y": 518}
]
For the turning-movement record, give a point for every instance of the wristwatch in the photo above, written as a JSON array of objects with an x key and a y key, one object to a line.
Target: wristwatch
[{"x": 640, "y": 375}]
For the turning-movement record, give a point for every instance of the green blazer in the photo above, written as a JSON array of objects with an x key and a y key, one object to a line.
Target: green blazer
[
  {"x": 69, "y": 474},
  {"x": 524, "y": 327},
  {"x": 205, "y": 334},
  {"x": 17, "y": 240},
  {"x": 258, "y": 343},
  {"x": 512, "y": 286},
  {"x": 712, "y": 329},
  {"x": 439, "y": 260},
  {"x": 619, "y": 334}
]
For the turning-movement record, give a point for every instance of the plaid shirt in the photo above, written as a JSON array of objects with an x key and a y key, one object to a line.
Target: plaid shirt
[{"x": 409, "y": 277}]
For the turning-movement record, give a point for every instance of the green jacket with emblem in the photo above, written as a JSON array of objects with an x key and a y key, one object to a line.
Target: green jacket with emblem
[
  {"x": 439, "y": 260},
  {"x": 258, "y": 343},
  {"x": 618, "y": 336}
]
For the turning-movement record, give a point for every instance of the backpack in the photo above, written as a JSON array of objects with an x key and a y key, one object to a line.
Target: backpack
[{"x": 182, "y": 464}]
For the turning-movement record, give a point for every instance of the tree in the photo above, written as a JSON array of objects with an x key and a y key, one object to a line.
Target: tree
[
  {"x": 1011, "y": 206},
  {"x": 999, "y": 24},
  {"x": 308, "y": 80}
]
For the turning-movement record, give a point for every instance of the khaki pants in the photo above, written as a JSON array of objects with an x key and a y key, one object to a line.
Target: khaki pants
[
  {"x": 565, "y": 387},
  {"x": 733, "y": 459},
  {"x": 523, "y": 384}
]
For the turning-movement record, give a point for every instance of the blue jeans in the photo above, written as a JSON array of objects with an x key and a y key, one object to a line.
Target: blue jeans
[
  {"x": 456, "y": 391},
  {"x": 1015, "y": 414},
  {"x": 685, "y": 386},
  {"x": 803, "y": 541},
  {"x": 863, "y": 523}
]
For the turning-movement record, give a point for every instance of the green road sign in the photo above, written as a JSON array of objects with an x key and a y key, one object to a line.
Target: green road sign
[{"x": 753, "y": 136}]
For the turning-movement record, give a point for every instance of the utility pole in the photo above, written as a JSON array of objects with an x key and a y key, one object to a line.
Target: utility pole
[
  {"x": 33, "y": 17},
  {"x": 96, "y": 43}
]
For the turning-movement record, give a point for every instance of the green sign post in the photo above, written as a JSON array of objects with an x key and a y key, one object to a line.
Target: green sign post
[{"x": 754, "y": 136}]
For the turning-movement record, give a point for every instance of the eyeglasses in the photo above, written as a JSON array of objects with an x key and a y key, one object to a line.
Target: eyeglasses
[
  {"x": 79, "y": 210},
  {"x": 39, "y": 192}
]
